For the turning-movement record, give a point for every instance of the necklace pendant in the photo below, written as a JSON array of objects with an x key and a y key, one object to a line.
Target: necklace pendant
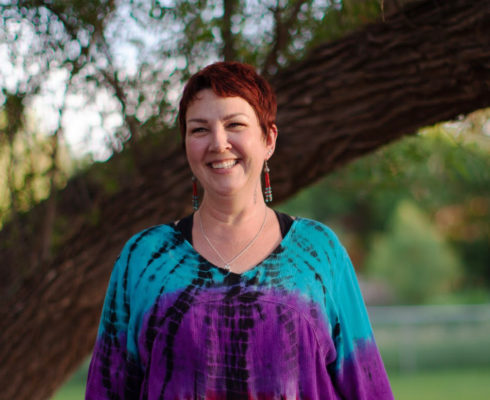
[{"x": 227, "y": 265}]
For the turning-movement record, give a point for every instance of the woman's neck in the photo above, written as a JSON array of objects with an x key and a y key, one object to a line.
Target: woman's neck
[
  {"x": 235, "y": 232},
  {"x": 231, "y": 211}
]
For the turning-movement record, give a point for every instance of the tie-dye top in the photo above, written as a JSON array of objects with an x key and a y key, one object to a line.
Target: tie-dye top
[{"x": 174, "y": 326}]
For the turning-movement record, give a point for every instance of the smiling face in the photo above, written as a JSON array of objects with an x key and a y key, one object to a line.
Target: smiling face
[{"x": 225, "y": 145}]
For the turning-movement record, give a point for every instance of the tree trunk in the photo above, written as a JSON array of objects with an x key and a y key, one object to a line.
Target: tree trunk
[{"x": 428, "y": 63}]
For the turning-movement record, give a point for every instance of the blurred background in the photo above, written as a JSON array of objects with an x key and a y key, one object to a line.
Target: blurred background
[{"x": 82, "y": 83}]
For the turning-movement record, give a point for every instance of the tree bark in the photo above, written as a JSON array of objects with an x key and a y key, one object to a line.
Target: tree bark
[
  {"x": 428, "y": 63},
  {"x": 229, "y": 9}
]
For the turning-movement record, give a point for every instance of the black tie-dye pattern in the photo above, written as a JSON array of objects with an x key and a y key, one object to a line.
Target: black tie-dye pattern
[{"x": 174, "y": 326}]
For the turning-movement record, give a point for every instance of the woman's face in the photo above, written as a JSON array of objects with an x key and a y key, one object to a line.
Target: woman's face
[{"x": 225, "y": 145}]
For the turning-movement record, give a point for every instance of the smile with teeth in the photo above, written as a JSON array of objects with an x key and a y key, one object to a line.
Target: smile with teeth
[{"x": 223, "y": 164}]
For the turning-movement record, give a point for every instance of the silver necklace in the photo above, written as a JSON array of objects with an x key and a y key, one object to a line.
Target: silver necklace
[{"x": 227, "y": 265}]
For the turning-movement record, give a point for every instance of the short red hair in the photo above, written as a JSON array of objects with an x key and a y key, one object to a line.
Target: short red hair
[{"x": 232, "y": 79}]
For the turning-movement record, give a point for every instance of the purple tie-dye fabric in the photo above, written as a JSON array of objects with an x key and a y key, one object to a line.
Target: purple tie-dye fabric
[{"x": 176, "y": 327}]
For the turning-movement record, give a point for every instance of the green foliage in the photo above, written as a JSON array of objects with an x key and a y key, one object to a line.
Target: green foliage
[
  {"x": 13, "y": 114},
  {"x": 25, "y": 170},
  {"x": 346, "y": 17},
  {"x": 412, "y": 257}
]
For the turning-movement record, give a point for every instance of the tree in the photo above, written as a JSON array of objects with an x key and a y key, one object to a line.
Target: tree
[
  {"x": 344, "y": 100},
  {"x": 413, "y": 257}
]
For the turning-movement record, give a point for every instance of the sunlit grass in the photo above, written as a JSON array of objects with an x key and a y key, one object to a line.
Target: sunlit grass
[{"x": 454, "y": 384}]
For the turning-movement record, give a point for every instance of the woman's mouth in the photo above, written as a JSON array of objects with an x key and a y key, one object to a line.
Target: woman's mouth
[{"x": 223, "y": 164}]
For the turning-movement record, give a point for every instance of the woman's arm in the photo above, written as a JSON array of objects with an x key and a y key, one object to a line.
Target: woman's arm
[
  {"x": 114, "y": 372},
  {"x": 358, "y": 371}
]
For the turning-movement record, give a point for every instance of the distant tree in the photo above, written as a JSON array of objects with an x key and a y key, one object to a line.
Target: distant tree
[{"x": 413, "y": 258}]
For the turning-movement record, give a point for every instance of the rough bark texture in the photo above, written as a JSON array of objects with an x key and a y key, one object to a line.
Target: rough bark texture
[{"x": 428, "y": 63}]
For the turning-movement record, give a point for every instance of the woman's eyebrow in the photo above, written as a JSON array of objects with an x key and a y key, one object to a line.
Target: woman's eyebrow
[
  {"x": 225, "y": 118},
  {"x": 230, "y": 116},
  {"x": 200, "y": 120}
]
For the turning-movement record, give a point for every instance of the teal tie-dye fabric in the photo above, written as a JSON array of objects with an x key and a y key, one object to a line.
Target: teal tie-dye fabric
[{"x": 175, "y": 327}]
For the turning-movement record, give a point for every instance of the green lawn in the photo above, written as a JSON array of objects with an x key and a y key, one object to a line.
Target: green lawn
[
  {"x": 443, "y": 385},
  {"x": 471, "y": 384}
]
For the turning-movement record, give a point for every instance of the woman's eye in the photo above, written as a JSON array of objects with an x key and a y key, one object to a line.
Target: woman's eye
[
  {"x": 236, "y": 124},
  {"x": 198, "y": 129}
]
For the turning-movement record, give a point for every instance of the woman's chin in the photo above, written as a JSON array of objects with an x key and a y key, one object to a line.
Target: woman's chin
[{"x": 227, "y": 191}]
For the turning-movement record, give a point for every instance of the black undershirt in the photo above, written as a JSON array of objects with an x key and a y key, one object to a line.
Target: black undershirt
[{"x": 185, "y": 225}]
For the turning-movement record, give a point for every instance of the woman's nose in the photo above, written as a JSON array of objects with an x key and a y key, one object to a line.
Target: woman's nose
[{"x": 219, "y": 140}]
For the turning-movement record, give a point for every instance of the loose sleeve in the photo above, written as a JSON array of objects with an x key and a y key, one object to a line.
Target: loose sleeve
[
  {"x": 114, "y": 372},
  {"x": 358, "y": 371}
]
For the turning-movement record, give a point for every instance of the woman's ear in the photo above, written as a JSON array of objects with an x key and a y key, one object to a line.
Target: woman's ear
[{"x": 270, "y": 140}]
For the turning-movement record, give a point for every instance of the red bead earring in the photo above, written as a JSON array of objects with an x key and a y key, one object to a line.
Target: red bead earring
[
  {"x": 195, "y": 198},
  {"x": 268, "y": 188}
]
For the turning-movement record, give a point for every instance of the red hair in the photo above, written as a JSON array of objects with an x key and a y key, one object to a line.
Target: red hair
[{"x": 232, "y": 79}]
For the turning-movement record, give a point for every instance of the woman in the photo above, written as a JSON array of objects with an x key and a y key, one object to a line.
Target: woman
[{"x": 235, "y": 301}]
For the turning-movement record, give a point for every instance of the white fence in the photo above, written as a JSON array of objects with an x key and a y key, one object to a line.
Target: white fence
[{"x": 437, "y": 336}]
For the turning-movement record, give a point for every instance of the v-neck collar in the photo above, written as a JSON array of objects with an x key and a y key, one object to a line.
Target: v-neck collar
[{"x": 273, "y": 253}]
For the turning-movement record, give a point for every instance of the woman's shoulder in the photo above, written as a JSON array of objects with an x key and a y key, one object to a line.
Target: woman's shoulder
[
  {"x": 315, "y": 229},
  {"x": 149, "y": 238},
  {"x": 146, "y": 246},
  {"x": 153, "y": 230}
]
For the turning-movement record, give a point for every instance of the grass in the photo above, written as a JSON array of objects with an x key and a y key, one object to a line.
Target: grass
[
  {"x": 442, "y": 385},
  {"x": 453, "y": 384},
  {"x": 70, "y": 391}
]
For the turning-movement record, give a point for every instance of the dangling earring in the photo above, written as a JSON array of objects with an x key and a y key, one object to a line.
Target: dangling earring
[
  {"x": 195, "y": 198},
  {"x": 268, "y": 189}
]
